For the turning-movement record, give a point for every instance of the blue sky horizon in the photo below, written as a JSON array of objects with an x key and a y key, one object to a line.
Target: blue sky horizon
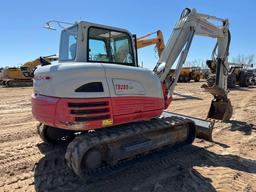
[{"x": 24, "y": 38}]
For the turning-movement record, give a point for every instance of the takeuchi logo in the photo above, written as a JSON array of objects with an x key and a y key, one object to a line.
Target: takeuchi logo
[{"x": 41, "y": 77}]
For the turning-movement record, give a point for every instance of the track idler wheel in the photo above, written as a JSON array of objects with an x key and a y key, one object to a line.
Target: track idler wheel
[
  {"x": 52, "y": 135},
  {"x": 82, "y": 159},
  {"x": 92, "y": 160}
]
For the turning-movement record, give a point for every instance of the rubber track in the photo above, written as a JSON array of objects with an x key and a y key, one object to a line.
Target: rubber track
[{"x": 81, "y": 144}]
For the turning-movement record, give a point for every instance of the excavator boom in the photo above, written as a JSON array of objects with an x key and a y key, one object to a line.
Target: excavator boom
[{"x": 190, "y": 24}]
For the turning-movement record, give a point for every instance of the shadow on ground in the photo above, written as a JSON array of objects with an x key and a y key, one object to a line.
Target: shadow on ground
[
  {"x": 237, "y": 88},
  {"x": 186, "y": 97},
  {"x": 242, "y": 127},
  {"x": 170, "y": 169}
]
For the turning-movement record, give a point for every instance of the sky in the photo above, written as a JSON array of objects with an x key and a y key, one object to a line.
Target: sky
[{"x": 23, "y": 37}]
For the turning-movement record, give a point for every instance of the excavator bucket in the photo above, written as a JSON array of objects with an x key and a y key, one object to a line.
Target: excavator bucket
[
  {"x": 203, "y": 127},
  {"x": 221, "y": 108}
]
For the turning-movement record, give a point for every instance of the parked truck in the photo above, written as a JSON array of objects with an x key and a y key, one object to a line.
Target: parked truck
[
  {"x": 190, "y": 73},
  {"x": 241, "y": 75}
]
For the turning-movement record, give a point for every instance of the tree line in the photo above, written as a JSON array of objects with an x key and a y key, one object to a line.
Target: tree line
[{"x": 247, "y": 60}]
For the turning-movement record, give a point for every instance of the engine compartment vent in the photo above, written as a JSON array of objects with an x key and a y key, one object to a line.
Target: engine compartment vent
[
  {"x": 91, "y": 87},
  {"x": 90, "y": 111}
]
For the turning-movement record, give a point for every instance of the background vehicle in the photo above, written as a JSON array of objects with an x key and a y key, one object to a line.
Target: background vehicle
[
  {"x": 186, "y": 74},
  {"x": 22, "y": 76},
  {"x": 190, "y": 73},
  {"x": 239, "y": 74},
  {"x": 97, "y": 91},
  {"x": 1, "y": 74},
  {"x": 158, "y": 41}
]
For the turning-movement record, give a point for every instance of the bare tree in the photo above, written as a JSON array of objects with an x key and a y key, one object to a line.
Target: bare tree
[
  {"x": 196, "y": 63},
  {"x": 246, "y": 60}
]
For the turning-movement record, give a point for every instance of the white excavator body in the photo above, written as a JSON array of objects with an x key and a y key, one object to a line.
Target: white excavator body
[{"x": 97, "y": 88}]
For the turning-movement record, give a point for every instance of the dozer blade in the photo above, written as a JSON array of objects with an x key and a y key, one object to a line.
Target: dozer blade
[
  {"x": 203, "y": 127},
  {"x": 221, "y": 108}
]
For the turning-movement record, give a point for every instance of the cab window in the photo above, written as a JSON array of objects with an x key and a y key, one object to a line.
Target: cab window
[
  {"x": 109, "y": 46},
  {"x": 98, "y": 51},
  {"x": 68, "y": 44}
]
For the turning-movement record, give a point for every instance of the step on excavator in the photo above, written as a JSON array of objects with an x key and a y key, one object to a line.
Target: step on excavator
[{"x": 109, "y": 108}]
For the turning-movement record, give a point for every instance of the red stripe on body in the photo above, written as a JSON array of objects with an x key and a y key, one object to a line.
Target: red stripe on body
[{"x": 56, "y": 112}]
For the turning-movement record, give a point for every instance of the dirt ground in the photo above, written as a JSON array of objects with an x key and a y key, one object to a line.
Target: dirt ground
[{"x": 227, "y": 164}]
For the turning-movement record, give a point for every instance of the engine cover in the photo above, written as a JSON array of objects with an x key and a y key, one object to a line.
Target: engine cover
[{"x": 84, "y": 96}]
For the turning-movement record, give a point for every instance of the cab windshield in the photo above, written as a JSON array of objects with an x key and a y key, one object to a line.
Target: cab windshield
[
  {"x": 68, "y": 44},
  {"x": 109, "y": 46}
]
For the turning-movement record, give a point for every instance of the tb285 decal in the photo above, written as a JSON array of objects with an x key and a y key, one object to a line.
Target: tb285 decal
[
  {"x": 128, "y": 87},
  {"x": 121, "y": 86}
]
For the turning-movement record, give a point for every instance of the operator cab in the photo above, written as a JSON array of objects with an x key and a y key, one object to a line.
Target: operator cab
[{"x": 94, "y": 43}]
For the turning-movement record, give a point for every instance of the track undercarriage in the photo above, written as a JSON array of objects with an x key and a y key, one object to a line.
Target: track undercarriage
[
  {"x": 89, "y": 153},
  {"x": 17, "y": 82}
]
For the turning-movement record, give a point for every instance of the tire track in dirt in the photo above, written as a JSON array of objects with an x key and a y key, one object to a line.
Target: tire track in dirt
[
  {"x": 52, "y": 174},
  {"x": 28, "y": 165},
  {"x": 17, "y": 133},
  {"x": 164, "y": 169},
  {"x": 17, "y": 141},
  {"x": 245, "y": 105},
  {"x": 20, "y": 169},
  {"x": 13, "y": 136},
  {"x": 225, "y": 179}
]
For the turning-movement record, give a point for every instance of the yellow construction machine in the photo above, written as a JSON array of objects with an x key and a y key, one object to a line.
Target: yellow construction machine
[
  {"x": 190, "y": 73},
  {"x": 158, "y": 41},
  {"x": 186, "y": 74},
  {"x": 22, "y": 76}
]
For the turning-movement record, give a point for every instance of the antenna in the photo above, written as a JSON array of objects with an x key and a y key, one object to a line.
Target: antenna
[{"x": 49, "y": 27}]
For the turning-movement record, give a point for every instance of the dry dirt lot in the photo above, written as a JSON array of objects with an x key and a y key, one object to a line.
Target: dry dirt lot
[{"x": 227, "y": 164}]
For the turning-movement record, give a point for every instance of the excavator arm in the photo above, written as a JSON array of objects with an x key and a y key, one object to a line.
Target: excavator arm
[
  {"x": 29, "y": 67},
  {"x": 192, "y": 23},
  {"x": 158, "y": 41}
]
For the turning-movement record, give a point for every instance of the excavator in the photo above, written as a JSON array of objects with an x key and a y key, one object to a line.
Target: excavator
[
  {"x": 158, "y": 41},
  {"x": 22, "y": 76},
  {"x": 108, "y": 108}
]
